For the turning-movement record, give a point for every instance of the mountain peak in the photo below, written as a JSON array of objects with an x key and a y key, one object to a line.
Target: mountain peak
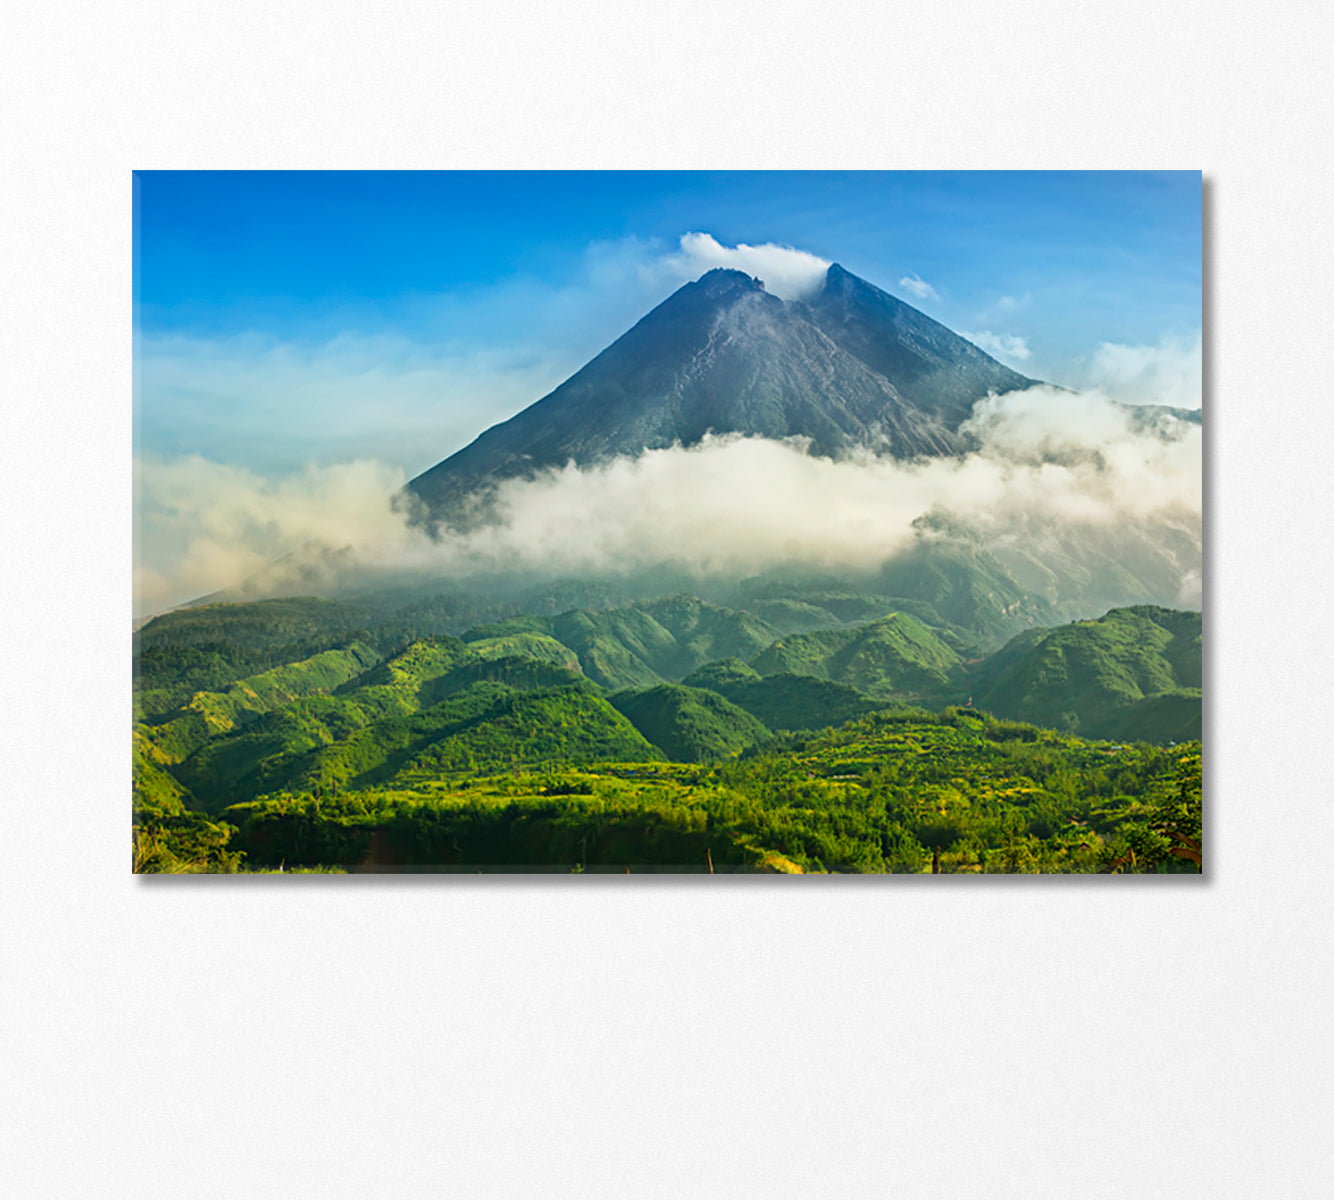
[
  {"x": 721, "y": 280},
  {"x": 850, "y": 367},
  {"x": 932, "y": 367},
  {"x": 839, "y": 281}
]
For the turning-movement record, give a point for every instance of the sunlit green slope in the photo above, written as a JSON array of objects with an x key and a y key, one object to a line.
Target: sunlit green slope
[
  {"x": 1133, "y": 673},
  {"x": 896, "y": 656},
  {"x": 690, "y": 724}
]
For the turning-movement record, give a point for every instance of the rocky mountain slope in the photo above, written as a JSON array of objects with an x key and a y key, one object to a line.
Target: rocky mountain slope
[{"x": 850, "y": 366}]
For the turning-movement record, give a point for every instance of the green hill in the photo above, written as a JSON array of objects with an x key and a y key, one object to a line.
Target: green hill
[
  {"x": 704, "y": 632},
  {"x": 482, "y": 727},
  {"x": 1175, "y": 716},
  {"x": 260, "y": 757},
  {"x": 784, "y": 701},
  {"x": 257, "y": 625},
  {"x": 410, "y": 680},
  {"x": 540, "y": 646},
  {"x": 1133, "y": 673},
  {"x": 530, "y": 731},
  {"x": 516, "y": 671},
  {"x": 690, "y": 724},
  {"x": 794, "y": 609},
  {"x": 356, "y": 719},
  {"x": 327, "y": 742},
  {"x": 223, "y": 738},
  {"x": 211, "y": 713},
  {"x": 154, "y": 785},
  {"x": 166, "y": 676},
  {"x": 723, "y": 675},
  {"x": 638, "y": 646},
  {"x": 896, "y": 656},
  {"x": 616, "y": 648}
]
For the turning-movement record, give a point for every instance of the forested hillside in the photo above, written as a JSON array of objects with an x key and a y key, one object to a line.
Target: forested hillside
[
  {"x": 1134, "y": 673},
  {"x": 672, "y": 734}
]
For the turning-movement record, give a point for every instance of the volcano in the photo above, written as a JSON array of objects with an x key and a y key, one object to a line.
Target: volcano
[{"x": 846, "y": 368}]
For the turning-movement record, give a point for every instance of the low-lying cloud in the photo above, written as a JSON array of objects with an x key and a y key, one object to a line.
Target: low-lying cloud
[
  {"x": 730, "y": 505},
  {"x": 203, "y": 526}
]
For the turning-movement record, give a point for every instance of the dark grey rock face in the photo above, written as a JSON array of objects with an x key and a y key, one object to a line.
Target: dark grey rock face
[
  {"x": 850, "y": 367},
  {"x": 935, "y": 370}
]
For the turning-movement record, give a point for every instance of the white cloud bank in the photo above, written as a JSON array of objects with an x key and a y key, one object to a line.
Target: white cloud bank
[
  {"x": 202, "y": 526},
  {"x": 730, "y": 504}
]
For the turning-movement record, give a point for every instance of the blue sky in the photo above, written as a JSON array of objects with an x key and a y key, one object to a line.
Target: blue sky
[{"x": 287, "y": 318}]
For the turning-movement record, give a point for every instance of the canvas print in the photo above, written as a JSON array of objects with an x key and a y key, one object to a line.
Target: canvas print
[{"x": 668, "y": 522}]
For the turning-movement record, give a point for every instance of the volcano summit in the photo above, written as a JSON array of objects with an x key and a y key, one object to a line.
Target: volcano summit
[{"x": 848, "y": 367}]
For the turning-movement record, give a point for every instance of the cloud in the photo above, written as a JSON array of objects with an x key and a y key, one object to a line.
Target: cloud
[
  {"x": 1169, "y": 372},
  {"x": 918, "y": 287},
  {"x": 1005, "y": 346},
  {"x": 787, "y": 272},
  {"x": 1191, "y": 592},
  {"x": 728, "y": 506},
  {"x": 202, "y": 526},
  {"x": 739, "y": 505}
]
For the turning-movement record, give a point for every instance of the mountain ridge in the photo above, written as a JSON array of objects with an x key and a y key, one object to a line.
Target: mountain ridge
[{"x": 850, "y": 366}]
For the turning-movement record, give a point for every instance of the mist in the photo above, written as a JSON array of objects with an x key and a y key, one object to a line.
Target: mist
[
  {"x": 1052, "y": 468},
  {"x": 1170, "y": 371}
]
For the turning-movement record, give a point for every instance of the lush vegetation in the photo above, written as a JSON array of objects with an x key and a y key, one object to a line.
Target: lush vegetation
[
  {"x": 894, "y": 656},
  {"x": 1134, "y": 673},
  {"x": 691, "y": 724},
  {"x": 784, "y": 702},
  {"x": 958, "y": 793},
  {"x": 670, "y": 735},
  {"x": 646, "y": 643}
]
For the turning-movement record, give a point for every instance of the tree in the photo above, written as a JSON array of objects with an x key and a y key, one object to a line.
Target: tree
[
  {"x": 1169, "y": 831},
  {"x": 936, "y": 834}
]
